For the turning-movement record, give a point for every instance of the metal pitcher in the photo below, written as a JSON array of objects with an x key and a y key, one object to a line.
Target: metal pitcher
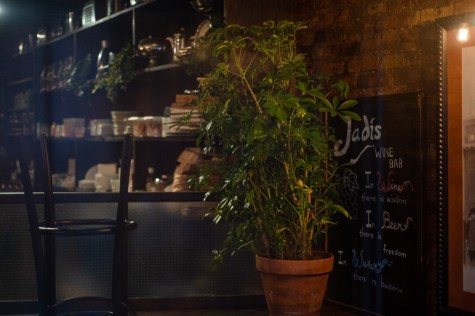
[{"x": 178, "y": 45}]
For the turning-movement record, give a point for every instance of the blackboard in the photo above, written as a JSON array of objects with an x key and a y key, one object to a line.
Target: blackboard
[{"x": 376, "y": 251}]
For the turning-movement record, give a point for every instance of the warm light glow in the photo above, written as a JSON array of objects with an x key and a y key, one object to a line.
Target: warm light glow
[{"x": 463, "y": 34}]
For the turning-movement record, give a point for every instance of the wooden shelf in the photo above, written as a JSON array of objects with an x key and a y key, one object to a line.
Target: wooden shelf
[
  {"x": 160, "y": 67},
  {"x": 150, "y": 93},
  {"x": 118, "y": 138},
  {"x": 20, "y": 81}
]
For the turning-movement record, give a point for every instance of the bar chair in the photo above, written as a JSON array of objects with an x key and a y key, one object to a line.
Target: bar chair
[{"x": 45, "y": 232}]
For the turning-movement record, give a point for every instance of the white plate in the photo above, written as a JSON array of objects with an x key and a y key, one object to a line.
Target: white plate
[{"x": 91, "y": 173}]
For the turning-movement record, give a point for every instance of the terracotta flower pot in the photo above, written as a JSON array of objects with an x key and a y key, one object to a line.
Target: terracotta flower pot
[{"x": 295, "y": 287}]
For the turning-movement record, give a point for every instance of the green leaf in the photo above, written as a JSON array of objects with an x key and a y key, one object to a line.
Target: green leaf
[
  {"x": 354, "y": 116},
  {"x": 316, "y": 93},
  {"x": 326, "y": 103},
  {"x": 342, "y": 210},
  {"x": 335, "y": 102},
  {"x": 280, "y": 113},
  {"x": 308, "y": 100},
  {"x": 348, "y": 104},
  {"x": 302, "y": 86}
]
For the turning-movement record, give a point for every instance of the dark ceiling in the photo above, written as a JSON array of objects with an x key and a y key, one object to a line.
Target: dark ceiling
[
  {"x": 32, "y": 13},
  {"x": 18, "y": 18}
]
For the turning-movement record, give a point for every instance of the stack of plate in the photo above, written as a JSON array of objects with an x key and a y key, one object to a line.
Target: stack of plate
[
  {"x": 100, "y": 127},
  {"x": 119, "y": 120},
  {"x": 86, "y": 185},
  {"x": 184, "y": 119},
  {"x": 73, "y": 127}
]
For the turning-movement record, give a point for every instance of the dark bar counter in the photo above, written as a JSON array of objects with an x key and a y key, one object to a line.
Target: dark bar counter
[{"x": 170, "y": 253}]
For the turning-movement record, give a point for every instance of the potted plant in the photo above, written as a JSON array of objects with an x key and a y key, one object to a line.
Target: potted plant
[
  {"x": 267, "y": 125},
  {"x": 80, "y": 77},
  {"x": 84, "y": 79},
  {"x": 118, "y": 75}
]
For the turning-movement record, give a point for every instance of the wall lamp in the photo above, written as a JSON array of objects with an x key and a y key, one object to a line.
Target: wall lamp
[{"x": 463, "y": 34}]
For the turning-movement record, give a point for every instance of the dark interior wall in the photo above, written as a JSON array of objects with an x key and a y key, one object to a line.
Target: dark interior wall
[
  {"x": 379, "y": 48},
  {"x": 248, "y": 12}
]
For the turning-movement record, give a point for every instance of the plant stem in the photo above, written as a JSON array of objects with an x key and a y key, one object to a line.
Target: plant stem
[{"x": 242, "y": 75}]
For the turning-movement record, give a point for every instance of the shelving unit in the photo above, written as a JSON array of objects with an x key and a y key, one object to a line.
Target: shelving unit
[{"x": 149, "y": 93}]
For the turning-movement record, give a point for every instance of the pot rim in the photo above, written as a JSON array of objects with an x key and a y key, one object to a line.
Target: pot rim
[{"x": 322, "y": 265}]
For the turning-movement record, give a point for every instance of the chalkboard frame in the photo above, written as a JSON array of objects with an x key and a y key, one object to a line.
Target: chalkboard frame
[
  {"x": 450, "y": 293},
  {"x": 350, "y": 284}
]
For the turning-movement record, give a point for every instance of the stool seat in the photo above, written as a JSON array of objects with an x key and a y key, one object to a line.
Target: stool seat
[
  {"x": 83, "y": 227},
  {"x": 44, "y": 233}
]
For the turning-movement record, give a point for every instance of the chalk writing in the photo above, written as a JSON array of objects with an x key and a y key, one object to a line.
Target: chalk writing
[
  {"x": 349, "y": 191},
  {"x": 355, "y": 160},
  {"x": 369, "y": 224},
  {"x": 396, "y": 200},
  {"x": 390, "y": 287},
  {"x": 358, "y": 277},
  {"x": 341, "y": 261},
  {"x": 380, "y": 153},
  {"x": 360, "y": 262},
  {"x": 394, "y": 252},
  {"x": 368, "y": 198},
  {"x": 370, "y": 131},
  {"x": 365, "y": 234},
  {"x": 390, "y": 186},
  {"x": 389, "y": 224},
  {"x": 369, "y": 184},
  {"x": 384, "y": 152},
  {"x": 395, "y": 163}
]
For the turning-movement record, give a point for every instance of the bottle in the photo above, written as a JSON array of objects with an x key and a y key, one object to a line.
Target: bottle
[
  {"x": 150, "y": 180},
  {"x": 43, "y": 80},
  {"x": 161, "y": 183},
  {"x": 105, "y": 57},
  {"x": 69, "y": 23},
  {"x": 110, "y": 7}
]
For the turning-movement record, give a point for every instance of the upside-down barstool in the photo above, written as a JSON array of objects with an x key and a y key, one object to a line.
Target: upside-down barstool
[{"x": 44, "y": 232}]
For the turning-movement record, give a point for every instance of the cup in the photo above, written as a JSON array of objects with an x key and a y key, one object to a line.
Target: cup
[
  {"x": 138, "y": 126},
  {"x": 153, "y": 125},
  {"x": 115, "y": 185},
  {"x": 102, "y": 183}
]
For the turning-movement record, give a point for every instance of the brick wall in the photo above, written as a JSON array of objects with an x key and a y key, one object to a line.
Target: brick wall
[{"x": 379, "y": 47}]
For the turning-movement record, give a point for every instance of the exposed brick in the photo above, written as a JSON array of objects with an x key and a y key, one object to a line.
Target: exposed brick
[
  {"x": 372, "y": 79},
  {"x": 343, "y": 15},
  {"x": 363, "y": 64},
  {"x": 376, "y": 7},
  {"x": 322, "y": 53},
  {"x": 332, "y": 68},
  {"x": 464, "y": 6},
  {"x": 431, "y": 14},
  {"x": 392, "y": 22},
  {"x": 396, "y": 60}
]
